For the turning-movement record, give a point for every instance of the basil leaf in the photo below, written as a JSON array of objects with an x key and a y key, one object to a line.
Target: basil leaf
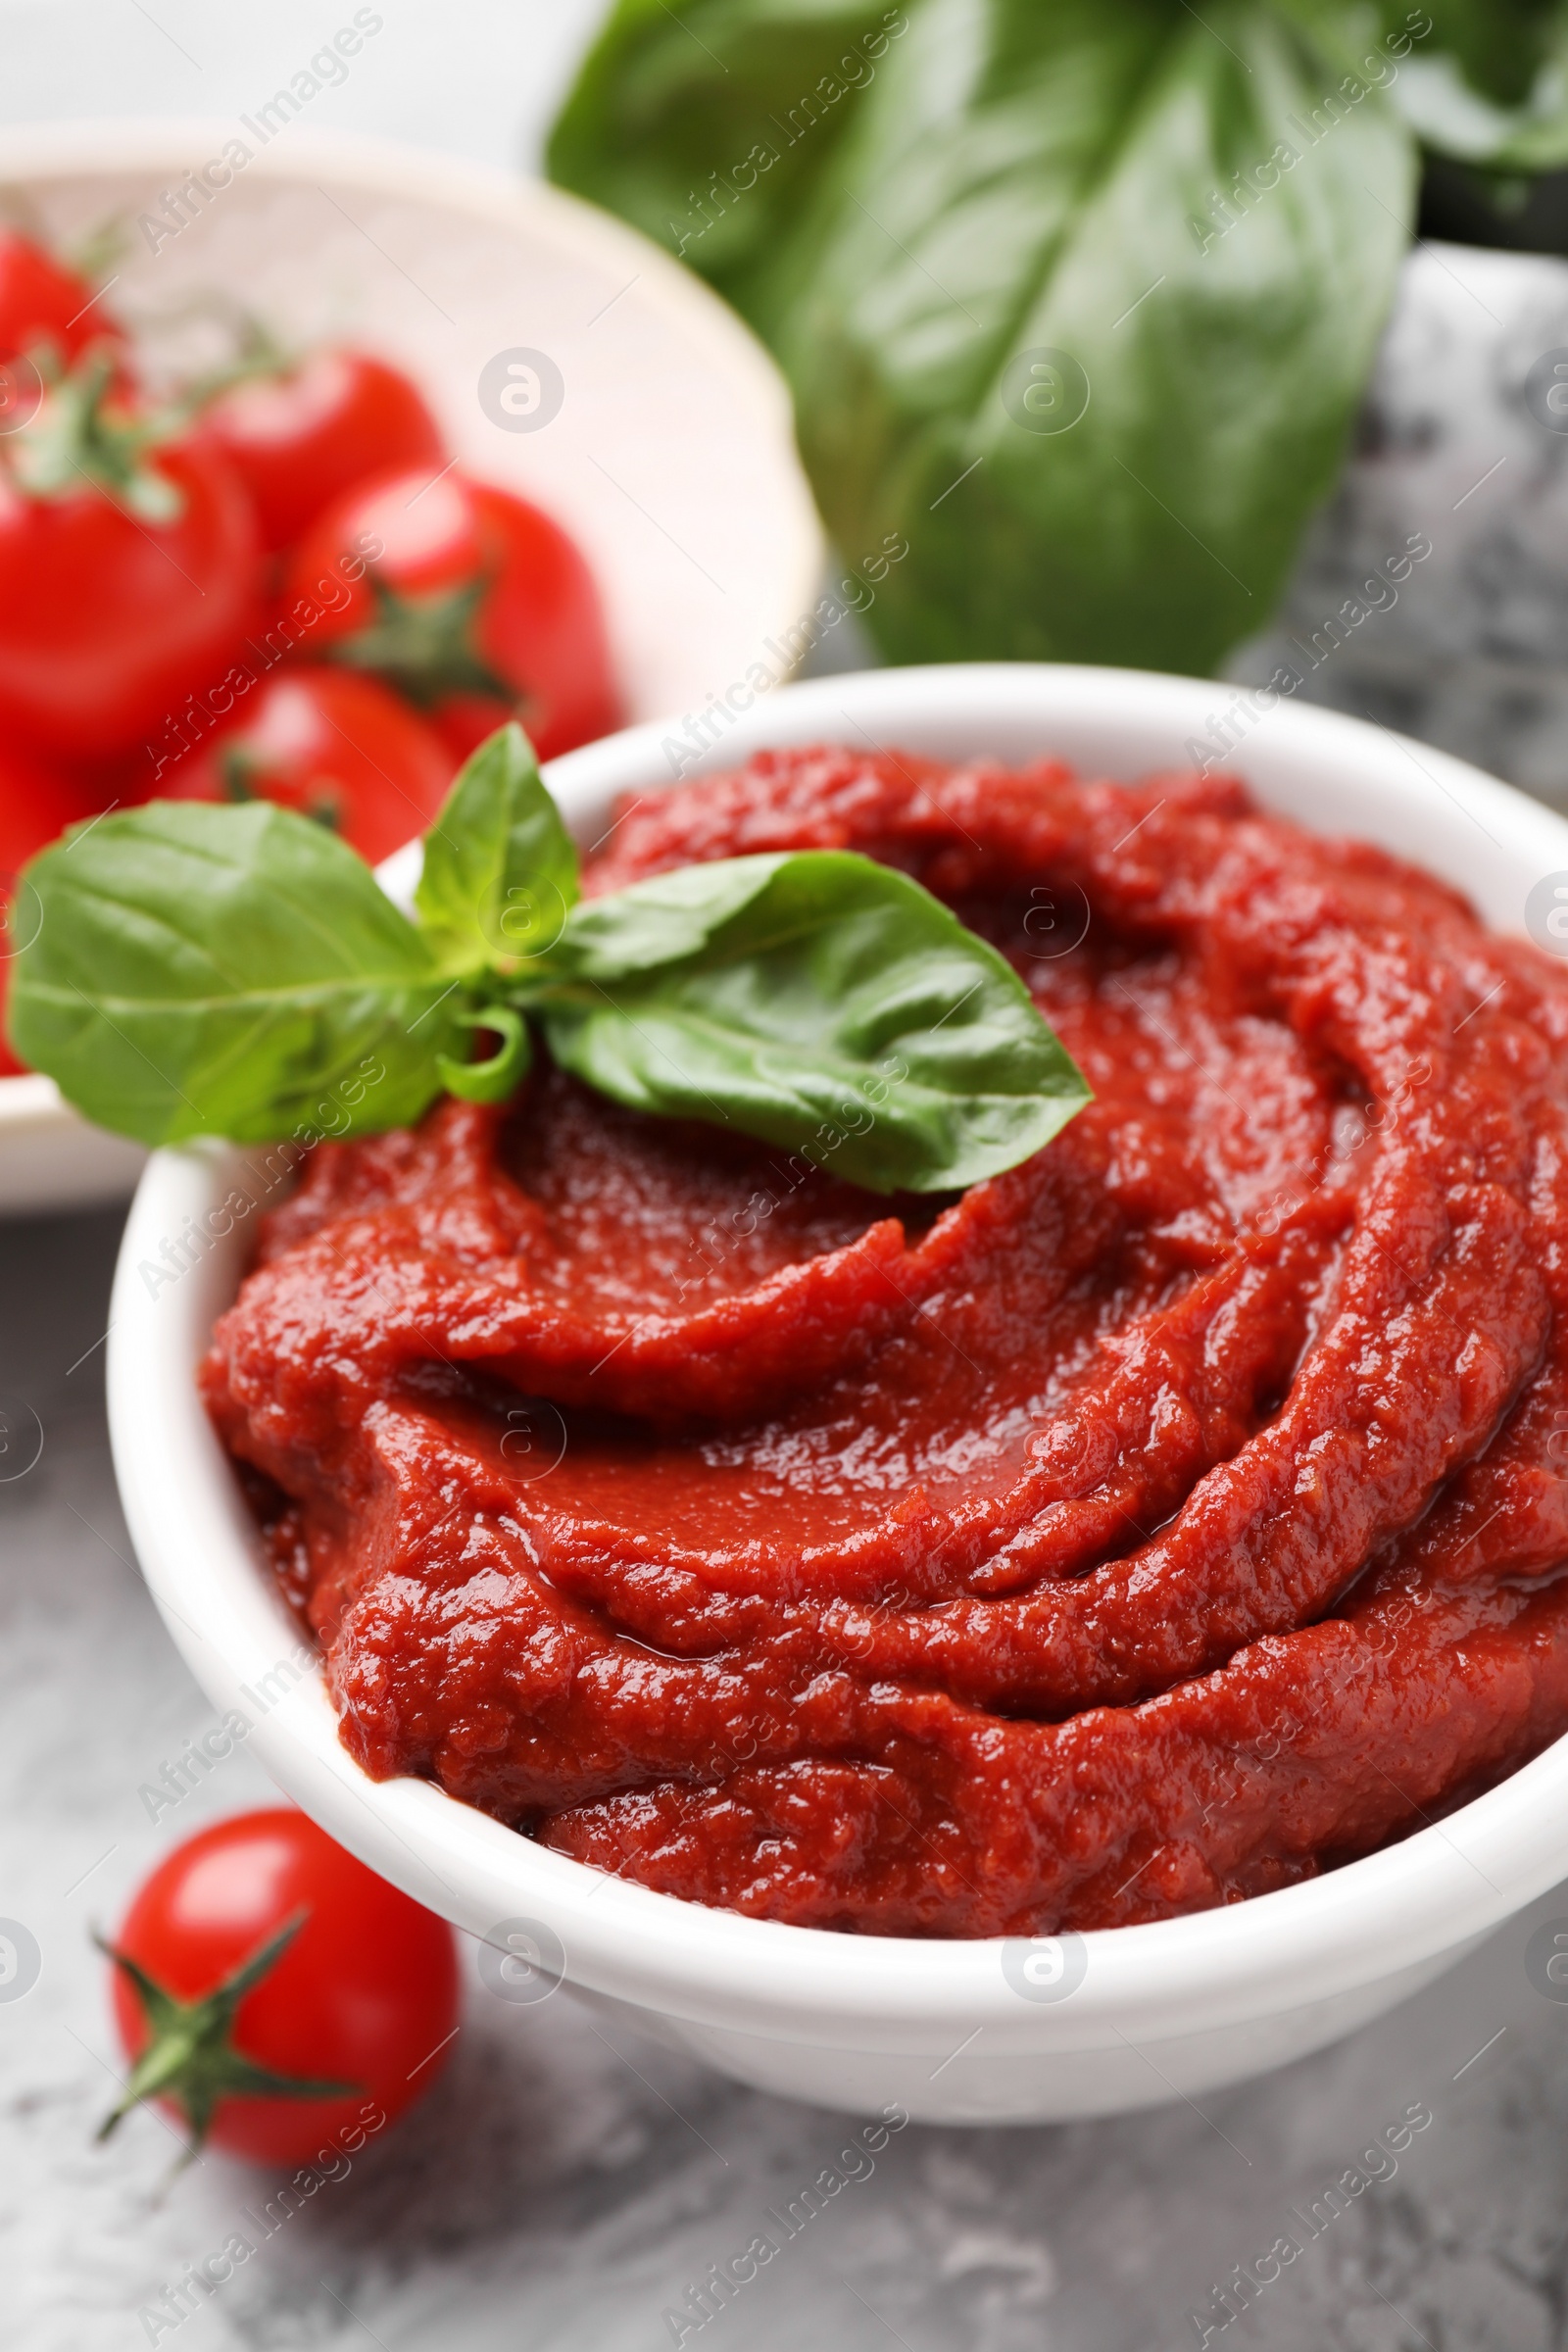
[
  {"x": 710, "y": 126},
  {"x": 1498, "y": 49},
  {"x": 1485, "y": 82},
  {"x": 236, "y": 972},
  {"x": 1020, "y": 181},
  {"x": 661, "y": 921},
  {"x": 822, "y": 1003},
  {"x": 1499, "y": 46},
  {"x": 500, "y": 871},
  {"x": 1492, "y": 89}
]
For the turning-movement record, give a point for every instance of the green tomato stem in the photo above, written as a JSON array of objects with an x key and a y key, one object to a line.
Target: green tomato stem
[{"x": 190, "y": 2055}]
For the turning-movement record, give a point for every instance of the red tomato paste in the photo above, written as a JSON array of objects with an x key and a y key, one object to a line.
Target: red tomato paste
[{"x": 1164, "y": 1521}]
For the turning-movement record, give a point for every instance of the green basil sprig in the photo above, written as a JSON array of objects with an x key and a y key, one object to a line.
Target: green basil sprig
[{"x": 222, "y": 970}]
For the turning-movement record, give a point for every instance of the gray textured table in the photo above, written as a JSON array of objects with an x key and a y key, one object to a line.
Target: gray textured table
[{"x": 559, "y": 2189}]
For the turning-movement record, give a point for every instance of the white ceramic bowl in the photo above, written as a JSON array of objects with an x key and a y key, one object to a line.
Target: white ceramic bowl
[
  {"x": 671, "y": 458},
  {"x": 1175, "y": 2008}
]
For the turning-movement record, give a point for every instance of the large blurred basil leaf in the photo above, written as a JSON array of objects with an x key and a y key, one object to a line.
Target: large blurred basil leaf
[
  {"x": 669, "y": 103},
  {"x": 1016, "y": 206}
]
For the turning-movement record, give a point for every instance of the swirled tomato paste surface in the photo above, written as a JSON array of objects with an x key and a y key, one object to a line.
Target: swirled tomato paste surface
[{"x": 1159, "y": 1522}]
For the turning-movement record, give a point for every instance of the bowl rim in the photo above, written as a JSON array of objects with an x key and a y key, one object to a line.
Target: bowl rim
[
  {"x": 1430, "y": 1893},
  {"x": 96, "y": 147},
  {"x": 86, "y": 146}
]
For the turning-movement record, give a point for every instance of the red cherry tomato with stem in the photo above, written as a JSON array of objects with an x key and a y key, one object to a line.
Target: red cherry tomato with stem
[
  {"x": 42, "y": 303},
  {"x": 479, "y": 608},
  {"x": 303, "y": 436},
  {"x": 35, "y": 807},
  {"x": 338, "y": 747},
  {"x": 341, "y": 1994},
  {"x": 128, "y": 572}
]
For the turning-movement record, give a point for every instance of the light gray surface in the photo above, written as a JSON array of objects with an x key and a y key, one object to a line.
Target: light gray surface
[
  {"x": 1461, "y": 455},
  {"x": 563, "y": 2186}
]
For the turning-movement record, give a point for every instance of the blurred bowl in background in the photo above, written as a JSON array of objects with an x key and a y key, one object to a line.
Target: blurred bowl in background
[{"x": 565, "y": 357}]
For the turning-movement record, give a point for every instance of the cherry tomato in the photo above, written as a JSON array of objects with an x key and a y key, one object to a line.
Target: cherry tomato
[
  {"x": 43, "y": 303},
  {"x": 362, "y": 1992},
  {"x": 35, "y": 807},
  {"x": 479, "y": 608},
  {"x": 336, "y": 747},
  {"x": 302, "y": 439},
  {"x": 127, "y": 575}
]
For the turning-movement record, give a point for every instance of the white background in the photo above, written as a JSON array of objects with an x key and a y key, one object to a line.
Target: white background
[{"x": 478, "y": 77}]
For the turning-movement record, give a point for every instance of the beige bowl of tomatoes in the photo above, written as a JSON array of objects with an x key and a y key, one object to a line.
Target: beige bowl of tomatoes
[{"x": 343, "y": 455}]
